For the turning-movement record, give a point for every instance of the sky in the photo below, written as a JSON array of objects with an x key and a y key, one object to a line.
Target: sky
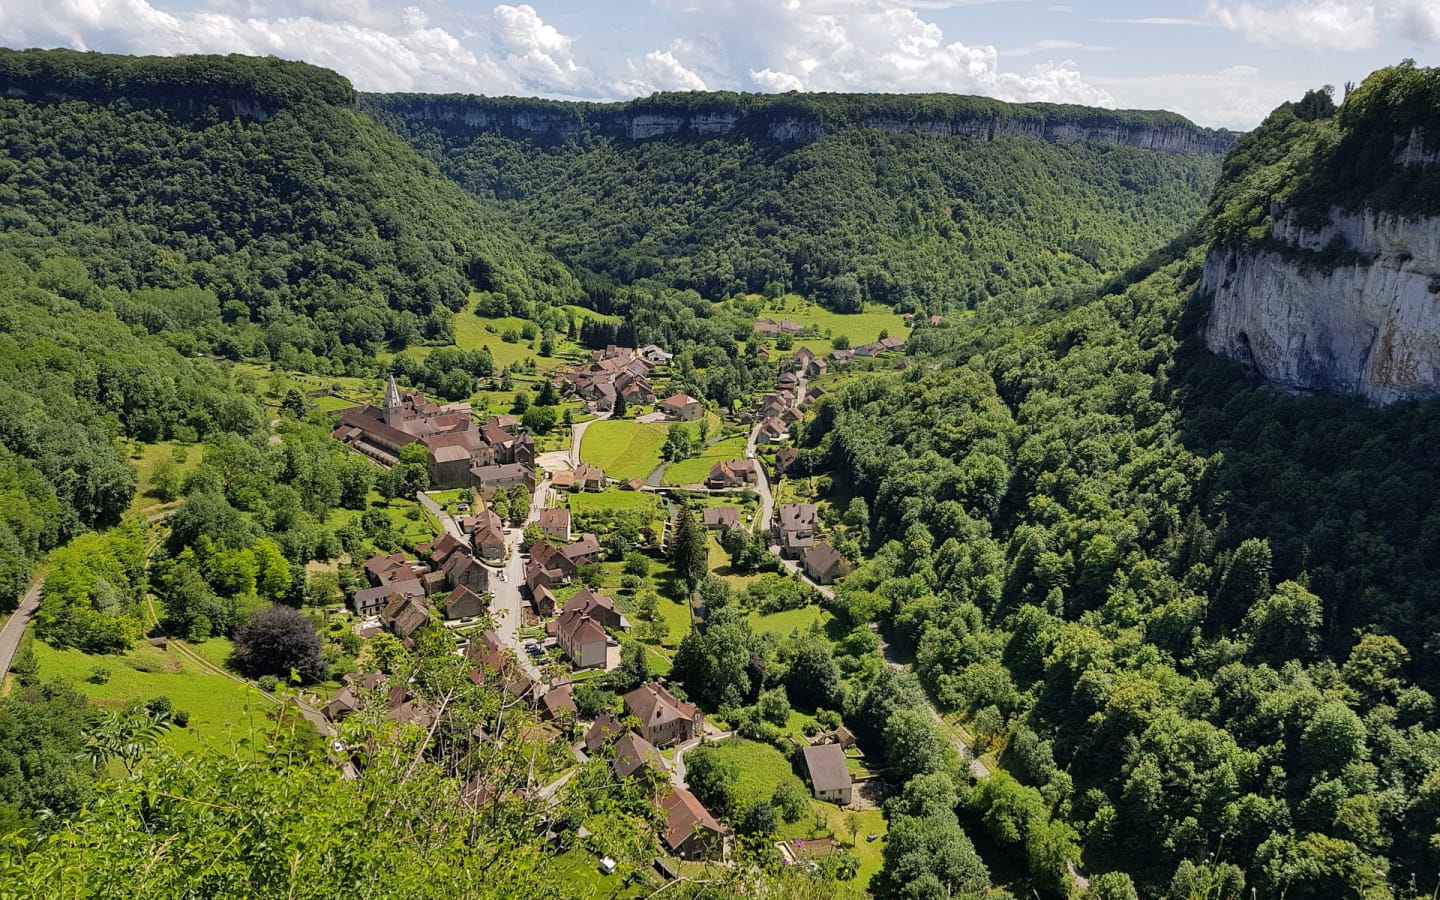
[{"x": 1222, "y": 63}]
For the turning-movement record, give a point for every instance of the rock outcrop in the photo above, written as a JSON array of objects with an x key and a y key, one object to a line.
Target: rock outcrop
[
  {"x": 790, "y": 122},
  {"x": 1351, "y": 305}
]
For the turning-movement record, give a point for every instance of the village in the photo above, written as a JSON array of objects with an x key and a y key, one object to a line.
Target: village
[{"x": 522, "y": 592}]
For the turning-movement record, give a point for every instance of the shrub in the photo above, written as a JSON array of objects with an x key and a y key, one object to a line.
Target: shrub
[
  {"x": 268, "y": 683},
  {"x": 98, "y": 675}
]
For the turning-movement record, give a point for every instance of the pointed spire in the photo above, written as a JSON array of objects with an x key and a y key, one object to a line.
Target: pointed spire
[{"x": 392, "y": 394}]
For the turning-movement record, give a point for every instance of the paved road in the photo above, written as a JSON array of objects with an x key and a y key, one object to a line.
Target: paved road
[
  {"x": 438, "y": 511},
  {"x": 677, "y": 766},
  {"x": 577, "y": 433},
  {"x": 14, "y": 627}
]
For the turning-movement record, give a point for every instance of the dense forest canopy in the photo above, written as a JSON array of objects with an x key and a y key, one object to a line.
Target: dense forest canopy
[
  {"x": 313, "y": 228},
  {"x": 268, "y": 83},
  {"x": 859, "y": 215},
  {"x": 1310, "y": 156}
]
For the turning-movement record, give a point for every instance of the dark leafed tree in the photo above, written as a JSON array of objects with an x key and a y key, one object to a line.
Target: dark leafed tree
[{"x": 278, "y": 641}]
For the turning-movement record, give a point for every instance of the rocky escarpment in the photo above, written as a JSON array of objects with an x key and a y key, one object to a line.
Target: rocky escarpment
[
  {"x": 1351, "y": 305},
  {"x": 796, "y": 121}
]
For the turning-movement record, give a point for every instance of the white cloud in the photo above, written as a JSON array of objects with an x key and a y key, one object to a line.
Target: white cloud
[
  {"x": 873, "y": 45},
  {"x": 1238, "y": 97},
  {"x": 660, "y": 70},
  {"x": 1344, "y": 25},
  {"x": 1051, "y": 45},
  {"x": 377, "y": 50},
  {"x": 538, "y": 53}
]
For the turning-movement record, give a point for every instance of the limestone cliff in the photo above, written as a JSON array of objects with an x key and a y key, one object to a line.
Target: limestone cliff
[
  {"x": 802, "y": 120},
  {"x": 1369, "y": 325},
  {"x": 1323, "y": 270}
]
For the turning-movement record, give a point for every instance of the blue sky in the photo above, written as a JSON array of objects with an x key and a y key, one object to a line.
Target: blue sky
[{"x": 1223, "y": 63}]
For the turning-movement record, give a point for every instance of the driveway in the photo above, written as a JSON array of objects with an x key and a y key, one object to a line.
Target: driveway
[
  {"x": 577, "y": 434},
  {"x": 14, "y": 627},
  {"x": 439, "y": 512}
]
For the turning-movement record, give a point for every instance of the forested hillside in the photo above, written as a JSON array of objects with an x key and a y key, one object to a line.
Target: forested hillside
[
  {"x": 309, "y": 228},
  {"x": 1198, "y": 614},
  {"x": 860, "y": 214}
]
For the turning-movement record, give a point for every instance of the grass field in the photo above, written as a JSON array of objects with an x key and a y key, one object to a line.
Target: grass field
[
  {"x": 221, "y": 711},
  {"x": 861, "y": 327},
  {"x": 624, "y": 449},
  {"x": 872, "y": 821},
  {"x": 782, "y": 623},
  {"x": 473, "y": 332},
  {"x": 693, "y": 471},
  {"x": 613, "y": 501},
  {"x": 145, "y": 456},
  {"x": 760, "y": 768},
  {"x": 330, "y": 404}
]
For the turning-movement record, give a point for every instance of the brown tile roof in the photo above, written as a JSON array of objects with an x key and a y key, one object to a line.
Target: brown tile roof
[
  {"x": 826, "y": 763},
  {"x": 721, "y": 516},
  {"x": 822, "y": 557},
  {"x": 405, "y": 615},
  {"x": 558, "y": 701},
  {"x": 587, "y": 545},
  {"x": 556, "y": 518},
  {"x": 653, "y": 705},
  {"x": 606, "y": 728},
  {"x": 632, "y": 753},
  {"x": 683, "y": 816}
]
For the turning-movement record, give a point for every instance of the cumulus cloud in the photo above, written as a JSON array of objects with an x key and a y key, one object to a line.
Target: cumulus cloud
[
  {"x": 659, "y": 70},
  {"x": 376, "y": 49},
  {"x": 1344, "y": 25},
  {"x": 872, "y": 45},
  {"x": 538, "y": 53}
]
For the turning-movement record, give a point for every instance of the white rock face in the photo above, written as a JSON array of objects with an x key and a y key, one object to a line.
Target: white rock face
[{"x": 1362, "y": 329}]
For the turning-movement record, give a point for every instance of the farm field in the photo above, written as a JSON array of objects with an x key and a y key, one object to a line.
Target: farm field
[
  {"x": 861, "y": 327},
  {"x": 694, "y": 470},
  {"x": 473, "y": 332},
  {"x": 222, "y": 712},
  {"x": 624, "y": 449}
]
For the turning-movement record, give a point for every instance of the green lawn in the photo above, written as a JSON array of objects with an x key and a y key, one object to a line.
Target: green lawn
[
  {"x": 693, "y": 471},
  {"x": 145, "y": 456},
  {"x": 760, "y": 768},
  {"x": 613, "y": 501},
  {"x": 583, "y": 878},
  {"x": 222, "y": 712},
  {"x": 330, "y": 404},
  {"x": 872, "y": 821},
  {"x": 782, "y": 623},
  {"x": 473, "y": 332},
  {"x": 624, "y": 449}
]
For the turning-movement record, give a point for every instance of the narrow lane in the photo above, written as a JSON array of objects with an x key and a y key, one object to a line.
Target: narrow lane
[{"x": 14, "y": 627}]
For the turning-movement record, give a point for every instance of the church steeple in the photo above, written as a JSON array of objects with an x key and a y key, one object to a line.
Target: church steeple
[{"x": 394, "y": 412}]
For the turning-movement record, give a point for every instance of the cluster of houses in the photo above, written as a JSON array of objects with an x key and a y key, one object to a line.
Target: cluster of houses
[
  {"x": 795, "y": 529},
  {"x": 617, "y": 372},
  {"x": 401, "y": 590},
  {"x": 460, "y": 452},
  {"x": 689, "y": 830}
]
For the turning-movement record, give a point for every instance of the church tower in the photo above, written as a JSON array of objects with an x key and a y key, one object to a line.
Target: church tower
[{"x": 394, "y": 411}]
